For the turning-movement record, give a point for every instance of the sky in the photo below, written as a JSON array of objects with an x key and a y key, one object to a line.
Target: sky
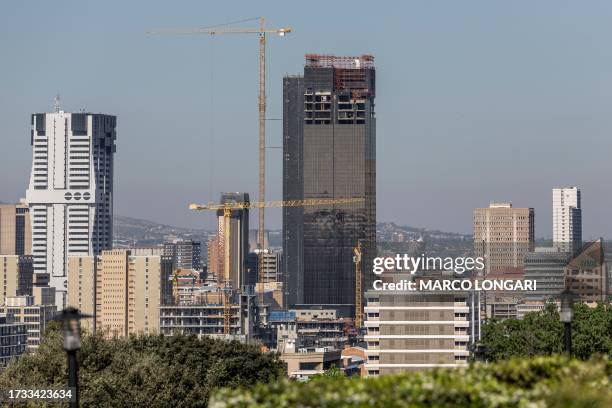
[{"x": 477, "y": 101}]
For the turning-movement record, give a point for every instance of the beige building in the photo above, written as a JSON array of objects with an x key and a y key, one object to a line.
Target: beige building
[
  {"x": 16, "y": 276},
  {"x": 503, "y": 235},
  {"x": 122, "y": 291},
  {"x": 418, "y": 330},
  {"x": 15, "y": 230}
]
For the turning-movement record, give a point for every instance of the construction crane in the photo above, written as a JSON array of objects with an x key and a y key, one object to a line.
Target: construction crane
[
  {"x": 357, "y": 252},
  {"x": 227, "y": 212},
  {"x": 261, "y": 31}
]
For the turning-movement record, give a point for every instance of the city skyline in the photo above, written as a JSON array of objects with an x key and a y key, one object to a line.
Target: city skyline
[{"x": 444, "y": 107}]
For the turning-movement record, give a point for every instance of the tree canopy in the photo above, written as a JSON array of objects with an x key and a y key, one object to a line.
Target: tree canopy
[
  {"x": 145, "y": 370},
  {"x": 541, "y": 333}
]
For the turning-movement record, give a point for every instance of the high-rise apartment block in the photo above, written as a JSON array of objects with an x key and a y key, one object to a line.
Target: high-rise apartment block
[
  {"x": 567, "y": 219},
  {"x": 503, "y": 235},
  {"x": 122, "y": 292},
  {"x": 329, "y": 152},
  {"x": 15, "y": 230},
  {"x": 70, "y": 195}
]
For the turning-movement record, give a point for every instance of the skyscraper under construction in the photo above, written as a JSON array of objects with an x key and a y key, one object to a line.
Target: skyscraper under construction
[{"x": 329, "y": 146}]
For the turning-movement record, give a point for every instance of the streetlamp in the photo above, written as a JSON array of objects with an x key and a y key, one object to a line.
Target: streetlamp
[
  {"x": 567, "y": 315},
  {"x": 71, "y": 325}
]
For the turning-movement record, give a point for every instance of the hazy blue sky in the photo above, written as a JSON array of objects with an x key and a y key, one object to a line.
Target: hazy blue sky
[{"x": 476, "y": 100}]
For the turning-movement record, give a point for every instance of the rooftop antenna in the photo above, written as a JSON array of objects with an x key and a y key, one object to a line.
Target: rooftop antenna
[{"x": 56, "y": 103}]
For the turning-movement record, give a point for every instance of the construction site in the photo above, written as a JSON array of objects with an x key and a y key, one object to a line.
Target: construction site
[{"x": 239, "y": 293}]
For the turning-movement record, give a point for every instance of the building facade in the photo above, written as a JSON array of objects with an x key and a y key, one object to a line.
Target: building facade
[
  {"x": 238, "y": 241},
  {"x": 15, "y": 230},
  {"x": 546, "y": 266},
  {"x": 70, "y": 194},
  {"x": 502, "y": 236},
  {"x": 16, "y": 276},
  {"x": 13, "y": 341},
  {"x": 27, "y": 310},
  {"x": 329, "y": 152},
  {"x": 186, "y": 253},
  {"x": 416, "y": 330},
  {"x": 123, "y": 292},
  {"x": 205, "y": 318},
  {"x": 567, "y": 218}
]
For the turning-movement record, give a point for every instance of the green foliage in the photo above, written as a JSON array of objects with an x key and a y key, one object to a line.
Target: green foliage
[
  {"x": 151, "y": 370},
  {"x": 537, "y": 382},
  {"x": 541, "y": 333}
]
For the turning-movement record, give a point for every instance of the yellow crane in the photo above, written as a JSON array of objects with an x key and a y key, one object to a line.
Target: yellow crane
[
  {"x": 261, "y": 31},
  {"x": 357, "y": 252},
  {"x": 227, "y": 212}
]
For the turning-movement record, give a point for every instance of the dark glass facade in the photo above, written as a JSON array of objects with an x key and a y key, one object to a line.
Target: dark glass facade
[{"x": 329, "y": 146}]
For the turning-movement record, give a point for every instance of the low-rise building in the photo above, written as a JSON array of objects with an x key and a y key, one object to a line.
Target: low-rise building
[
  {"x": 308, "y": 328},
  {"x": 23, "y": 309},
  {"x": 303, "y": 363},
  {"x": 206, "y": 318}
]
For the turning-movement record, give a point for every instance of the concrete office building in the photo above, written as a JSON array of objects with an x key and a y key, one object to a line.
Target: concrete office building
[
  {"x": 13, "y": 340},
  {"x": 503, "y": 235},
  {"x": 123, "y": 292},
  {"x": 16, "y": 276},
  {"x": 567, "y": 218},
  {"x": 186, "y": 254},
  {"x": 329, "y": 152},
  {"x": 547, "y": 267},
  {"x": 416, "y": 330},
  {"x": 15, "y": 230},
  {"x": 26, "y": 309},
  {"x": 70, "y": 195}
]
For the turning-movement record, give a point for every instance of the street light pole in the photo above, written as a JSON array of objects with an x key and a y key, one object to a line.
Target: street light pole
[
  {"x": 70, "y": 318},
  {"x": 73, "y": 375},
  {"x": 567, "y": 315}
]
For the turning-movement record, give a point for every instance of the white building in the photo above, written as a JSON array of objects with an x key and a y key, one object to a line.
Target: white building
[
  {"x": 567, "y": 218},
  {"x": 71, "y": 190}
]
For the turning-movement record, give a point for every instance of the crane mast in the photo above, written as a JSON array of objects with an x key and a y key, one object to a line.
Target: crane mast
[{"x": 261, "y": 102}]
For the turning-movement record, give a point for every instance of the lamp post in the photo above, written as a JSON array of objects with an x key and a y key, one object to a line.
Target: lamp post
[
  {"x": 70, "y": 318},
  {"x": 567, "y": 315}
]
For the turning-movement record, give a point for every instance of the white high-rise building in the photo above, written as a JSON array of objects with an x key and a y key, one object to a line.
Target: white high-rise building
[
  {"x": 71, "y": 190},
  {"x": 567, "y": 218}
]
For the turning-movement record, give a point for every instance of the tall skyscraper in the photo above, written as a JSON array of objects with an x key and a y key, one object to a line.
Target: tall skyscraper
[
  {"x": 70, "y": 195},
  {"x": 567, "y": 219},
  {"x": 329, "y": 146},
  {"x": 15, "y": 230},
  {"x": 238, "y": 241},
  {"x": 503, "y": 235}
]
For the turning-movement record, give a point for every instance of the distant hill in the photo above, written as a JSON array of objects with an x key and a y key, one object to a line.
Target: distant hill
[{"x": 130, "y": 231}]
